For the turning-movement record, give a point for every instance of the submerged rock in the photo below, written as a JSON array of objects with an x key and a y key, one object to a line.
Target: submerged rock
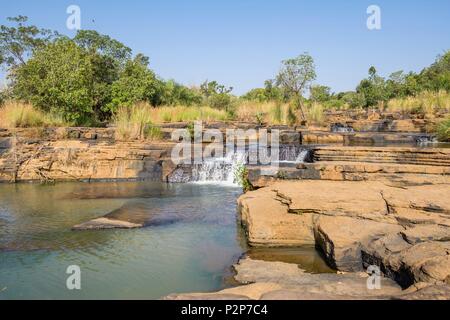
[
  {"x": 105, "y": 223},
  {"x": 135, "y": 214}
]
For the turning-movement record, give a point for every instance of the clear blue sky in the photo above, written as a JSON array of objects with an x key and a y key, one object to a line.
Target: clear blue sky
[{"x": 241, "y": 42}]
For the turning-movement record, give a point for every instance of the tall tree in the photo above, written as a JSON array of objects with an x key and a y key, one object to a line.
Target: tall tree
[
  {"x": 18, "y": 42},
  {"x": 296, "y": 75}
]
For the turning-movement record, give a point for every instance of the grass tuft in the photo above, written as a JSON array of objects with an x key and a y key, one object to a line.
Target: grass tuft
[{"x": 16, "y": 114}]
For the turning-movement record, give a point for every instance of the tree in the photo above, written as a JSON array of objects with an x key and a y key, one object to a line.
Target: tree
[
  {"x": 18, "y": 43},
  {"x": 296, "y": 76},
  {"x": 320, "y": 93},
  {"x": 372, "y": 88},
  {"x": 57, "y": 79},
  {"x": 104, "y": 45},
  {"x": 136, "y": 83}
]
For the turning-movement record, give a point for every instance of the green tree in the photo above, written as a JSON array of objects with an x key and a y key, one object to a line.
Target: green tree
[
  {"x": 320, "y": 93},
  {"x": 296, "y": 76},
  {"x": 58, "y": 79},
  {"x": 136, "y": 83},
  {"x": 18, "y": 42},
  {"x": 372, "y": 88}
]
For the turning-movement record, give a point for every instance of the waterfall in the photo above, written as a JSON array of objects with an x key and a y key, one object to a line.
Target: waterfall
[
  {"x": 219, "y": 170},
  {"x": 341, "y": 128},
  {"x": 222, "y": 170}
]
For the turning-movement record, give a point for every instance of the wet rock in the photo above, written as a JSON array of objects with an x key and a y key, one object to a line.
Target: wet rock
[
  {"x": 135, "y": 214},
  {"x": 105, "y": 223}
]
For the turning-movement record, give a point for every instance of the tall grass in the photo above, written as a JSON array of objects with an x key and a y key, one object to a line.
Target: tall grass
[
  {"x": 427, "y": 103},
  {"x": 316, "y": 114},
  {"x": 135, "y": 122},
  {"x": 186, "y": 114},
  {"x": 16, "y": 114},
  {"x": 266, "y": 112}
]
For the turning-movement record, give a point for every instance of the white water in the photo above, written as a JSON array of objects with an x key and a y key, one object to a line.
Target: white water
[
  {"x": 223, "y": 170},
  {"x": 219, "y": 170}
]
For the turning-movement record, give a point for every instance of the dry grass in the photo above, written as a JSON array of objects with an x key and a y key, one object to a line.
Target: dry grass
[
  {"x": 315, "y": 114},
  {"x": 186, "y": 114},
  {"x": 16, "y": 114},
  {"x": 427, "y": 102},
  {"x": 268, "y": 112},
  {"x": 135, "y": 122}
]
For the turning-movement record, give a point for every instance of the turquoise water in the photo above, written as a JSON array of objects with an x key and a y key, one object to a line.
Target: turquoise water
[{"x": 190, "y": 253}]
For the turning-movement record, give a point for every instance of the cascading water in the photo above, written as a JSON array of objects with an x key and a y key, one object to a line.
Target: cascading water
[
  {"x": 219, "y": 170},
  {"x": 223, "y": 170}
]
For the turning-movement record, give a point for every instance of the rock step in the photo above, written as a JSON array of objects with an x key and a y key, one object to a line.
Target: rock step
[{"x": 429, "y": 156}]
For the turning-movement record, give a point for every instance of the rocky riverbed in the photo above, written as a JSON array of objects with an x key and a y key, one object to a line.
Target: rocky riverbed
[{"x": 361, "y": 207}]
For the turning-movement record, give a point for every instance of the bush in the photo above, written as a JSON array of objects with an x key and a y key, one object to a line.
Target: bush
[
  {"x": 56, "y": 79},
  {"x": 15, "y": 114},
  {"x": 443, "y": 130}
]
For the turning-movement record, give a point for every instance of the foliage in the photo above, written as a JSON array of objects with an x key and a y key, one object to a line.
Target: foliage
[
  {"x": 320, "y": 93},
  {"x": 259, "y": 118},
  {"x": 443, "y": 130},
  {"x": 241, "y": 177},
  {"x": 296, "y": 74},
  {"x": 58, "y": 79},
  {"x": 136, "y": 83},
  {"x": 17, "y": 43}
]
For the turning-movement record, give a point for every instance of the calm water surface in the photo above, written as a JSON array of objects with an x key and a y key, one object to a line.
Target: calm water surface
[{"x": 191, "y": 251}]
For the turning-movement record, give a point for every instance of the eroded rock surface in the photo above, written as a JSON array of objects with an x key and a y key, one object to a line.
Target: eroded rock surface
[
  {"x": 403, "y": 230},
  {"x": 285, "y": 281}
]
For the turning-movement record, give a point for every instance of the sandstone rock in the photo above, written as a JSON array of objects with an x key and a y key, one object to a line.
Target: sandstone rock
[
  {"x": 267, "y": 221},
  {"x": 135, "y": 214},
  {"x": 105, "y": 223},
  {"x": 427, "y": 232},
  {"x": 341, "y": 239},
  {"x": 409, "y": 263},
  {"x": 282, "y": 281}
]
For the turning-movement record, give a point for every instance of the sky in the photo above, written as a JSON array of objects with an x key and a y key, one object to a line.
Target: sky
[{"x": 241, "y": 43}]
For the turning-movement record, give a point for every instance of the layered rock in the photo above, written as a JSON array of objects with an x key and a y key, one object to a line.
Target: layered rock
[
  {"x": 379, "y": 155},
  {"x": 264, "y": 280},
  {"x": 354, "y": 223},
  {"x": 44, "y": 160}
]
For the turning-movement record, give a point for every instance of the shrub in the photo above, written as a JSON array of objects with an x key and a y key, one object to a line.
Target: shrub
[
  {"x": 443, "y": 130},
  {"x": 241, "y": 177}
]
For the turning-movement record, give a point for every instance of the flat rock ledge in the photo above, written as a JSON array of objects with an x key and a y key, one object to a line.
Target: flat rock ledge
[
  {"x": 263, "y": 280},
  {"x": 403, "y": 230}
]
